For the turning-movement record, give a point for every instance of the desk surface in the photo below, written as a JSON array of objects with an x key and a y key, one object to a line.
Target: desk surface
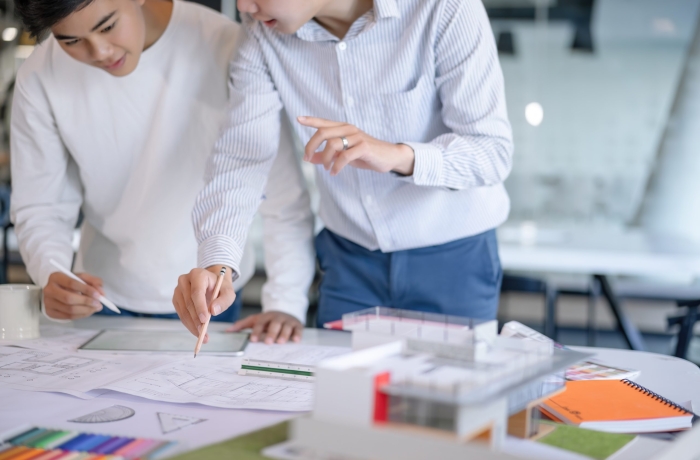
[
  {"x": 674, "y": 378},
  {"x": 597, "y": 250}
]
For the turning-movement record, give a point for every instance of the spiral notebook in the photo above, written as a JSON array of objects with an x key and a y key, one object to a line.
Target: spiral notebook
[{"x": 617, "y": 406}]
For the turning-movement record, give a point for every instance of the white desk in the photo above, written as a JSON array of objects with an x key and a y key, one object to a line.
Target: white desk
[
  {"x": 675, "y": 379},
  {"x": 600, "y": 253}
]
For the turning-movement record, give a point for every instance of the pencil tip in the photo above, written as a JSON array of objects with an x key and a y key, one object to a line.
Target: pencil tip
[{"x": 195, "y": 355}]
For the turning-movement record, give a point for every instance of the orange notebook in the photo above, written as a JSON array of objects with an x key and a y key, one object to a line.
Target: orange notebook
[{"x": 617, "y": 406}]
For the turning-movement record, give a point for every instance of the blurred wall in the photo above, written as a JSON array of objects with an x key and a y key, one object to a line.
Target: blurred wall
[{"x": 604, "y": 111}]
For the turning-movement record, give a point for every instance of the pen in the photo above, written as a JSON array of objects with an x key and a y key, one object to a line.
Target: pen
[
  {"x": 203, "y": 332},
  {"x": 105, "y": 301}
]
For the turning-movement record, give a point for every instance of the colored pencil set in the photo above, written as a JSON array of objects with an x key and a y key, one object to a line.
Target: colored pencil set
[{"x": 47, "y": 444}]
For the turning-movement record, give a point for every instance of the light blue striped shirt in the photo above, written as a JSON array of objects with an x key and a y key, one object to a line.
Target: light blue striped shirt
[{"x": 420, "y": 72}]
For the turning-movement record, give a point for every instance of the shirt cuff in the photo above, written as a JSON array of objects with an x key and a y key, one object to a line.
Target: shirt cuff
[
  {"x": 294, "y": 307},
  {"x": 427, "y": 169},
  {"x": 65, "y": 259},
  {"x": 220, "y": 250}
]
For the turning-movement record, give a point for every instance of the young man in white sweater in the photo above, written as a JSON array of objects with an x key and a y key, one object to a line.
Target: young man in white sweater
[{"x": 114, "y": 114}]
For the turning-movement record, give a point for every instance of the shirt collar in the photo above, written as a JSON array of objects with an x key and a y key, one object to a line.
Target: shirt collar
[
  {"x": 313, "y": 31},
  {"x": 386, "y": 9}
]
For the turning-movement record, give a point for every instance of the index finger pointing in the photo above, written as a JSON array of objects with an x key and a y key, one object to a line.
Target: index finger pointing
[
  {"x": 316, "y": 122},
  {"x": 226, "y": 297},
  {"x": 198, "y": 295},
  {"x": 242, "y": 324}
]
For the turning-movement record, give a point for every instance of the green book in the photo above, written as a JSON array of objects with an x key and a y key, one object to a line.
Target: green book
[
  {"x": 246, "y": 447},
  {"x": 594, "y": 444}
]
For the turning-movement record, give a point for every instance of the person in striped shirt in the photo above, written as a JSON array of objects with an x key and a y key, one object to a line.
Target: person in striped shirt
[{"x": 401, "y": 106}]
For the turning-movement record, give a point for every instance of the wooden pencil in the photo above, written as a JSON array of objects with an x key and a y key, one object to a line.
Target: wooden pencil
[{"x": 203, "y": 331}]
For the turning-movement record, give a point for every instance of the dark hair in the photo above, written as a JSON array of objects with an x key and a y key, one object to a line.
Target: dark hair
[{"x": 40, "y": 15}]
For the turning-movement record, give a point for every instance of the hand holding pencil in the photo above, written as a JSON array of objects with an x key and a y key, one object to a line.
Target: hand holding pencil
[
  {"x": 194, "y": 297},
  {"x": 205, "y": 325}
]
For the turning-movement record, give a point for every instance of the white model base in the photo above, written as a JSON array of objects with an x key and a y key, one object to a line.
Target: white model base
[{"x": 384, "y": 443}]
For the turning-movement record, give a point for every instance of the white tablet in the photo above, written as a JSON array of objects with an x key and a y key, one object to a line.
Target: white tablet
[{"x": 135, "y": 341}]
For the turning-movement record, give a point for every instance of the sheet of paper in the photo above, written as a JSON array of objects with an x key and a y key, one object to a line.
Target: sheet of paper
[
  {"x": 593, "y": 370},
  {"x": 290, "y": 451},
  {"x": 292, "y": 353},
  {"x": 55, "y": 338},
  {"x": 214, "y": 381},
  {"x": 64, "y": 372},
  {"x": 53, "y": 410}
]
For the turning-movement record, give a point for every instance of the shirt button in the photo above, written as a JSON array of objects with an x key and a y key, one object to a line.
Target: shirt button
[
  {"x": 350, "y": 101},
  {"x": 342, "y": 46}
]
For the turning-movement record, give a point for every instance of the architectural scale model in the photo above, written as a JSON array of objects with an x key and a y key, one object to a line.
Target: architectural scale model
[{"x": 418, "y": 381}]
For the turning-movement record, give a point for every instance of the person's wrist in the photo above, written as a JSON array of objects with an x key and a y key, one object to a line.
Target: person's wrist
[{"x": 406, "y": 159}]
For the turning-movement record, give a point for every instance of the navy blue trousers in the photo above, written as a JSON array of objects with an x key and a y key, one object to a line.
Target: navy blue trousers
[
  {"x": 461, "y": 278},
  {"x": 229, "y": 316}
]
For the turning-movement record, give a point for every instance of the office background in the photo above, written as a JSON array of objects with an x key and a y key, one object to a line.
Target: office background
[{"x": 604, "y": 100}]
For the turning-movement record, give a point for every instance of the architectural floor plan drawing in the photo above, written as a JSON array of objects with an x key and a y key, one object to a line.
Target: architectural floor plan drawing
[
  {"x": 214, "y": 381},
  {"x": 42, "y": 370},
  {"x": 206, "y": 381},
  {"x": 42, "y": 363}
]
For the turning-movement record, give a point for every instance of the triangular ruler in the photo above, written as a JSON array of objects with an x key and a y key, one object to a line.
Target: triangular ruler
[{"x": 170, "y": 422}]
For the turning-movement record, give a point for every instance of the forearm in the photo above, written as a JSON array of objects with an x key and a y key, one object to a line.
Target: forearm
[
  {"x": 46, "y": 189},
  {"x": 290, "y": 266},
  {"x": 43, "y": 235},
  {"x": 476, "y": 149},
  {"x": 288, "y": 233},
  {"x": 238, "y": 168},
  {"x": 224, "y": 209}
]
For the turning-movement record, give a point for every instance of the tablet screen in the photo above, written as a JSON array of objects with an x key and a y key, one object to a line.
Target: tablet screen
[{"x": 124, "y": 340}]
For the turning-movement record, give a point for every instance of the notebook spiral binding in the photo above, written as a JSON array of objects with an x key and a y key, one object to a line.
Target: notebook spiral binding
[{"x": 659, "y": 398}]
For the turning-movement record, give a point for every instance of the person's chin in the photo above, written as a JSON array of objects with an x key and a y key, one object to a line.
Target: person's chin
[
  {"x": 287, "y": 29},
  {"x": 124, "y": 69}
]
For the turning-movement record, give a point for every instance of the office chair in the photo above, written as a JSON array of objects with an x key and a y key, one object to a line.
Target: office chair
[
  {"x": 686, "y": 322},
  {"x": 5, "y": 223}
]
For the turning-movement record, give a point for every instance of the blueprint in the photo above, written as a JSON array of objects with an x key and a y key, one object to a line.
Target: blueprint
[
  {"x": 65, "y": 372},
  {"x": 214, "y": 381}
]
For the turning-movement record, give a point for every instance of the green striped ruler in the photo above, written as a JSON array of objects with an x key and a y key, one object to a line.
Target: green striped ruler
[{"x": 288, "y": 371}]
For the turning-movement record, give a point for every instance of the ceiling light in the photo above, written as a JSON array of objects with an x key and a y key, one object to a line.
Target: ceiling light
[
  {"x": 534, "y": 114},
  {"x": 9, "y": 34}
]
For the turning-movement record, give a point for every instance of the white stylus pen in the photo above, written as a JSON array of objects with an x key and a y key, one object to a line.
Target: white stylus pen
[{"x": 105, "y": 301}]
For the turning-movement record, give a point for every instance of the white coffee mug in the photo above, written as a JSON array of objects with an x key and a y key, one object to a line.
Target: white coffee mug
[{"x": 20, "y": 308}]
